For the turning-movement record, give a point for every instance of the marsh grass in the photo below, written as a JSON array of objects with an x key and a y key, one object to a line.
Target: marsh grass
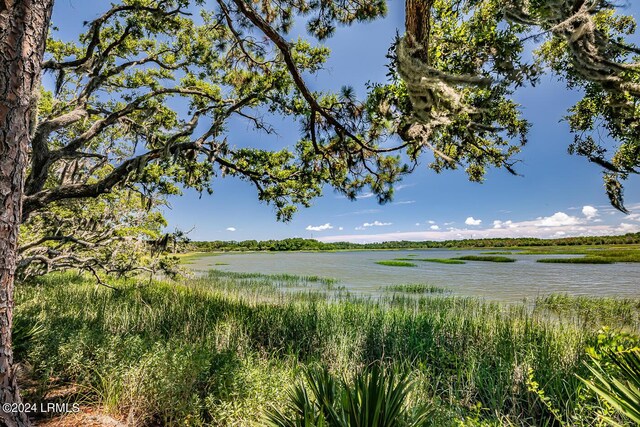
[
  {"x": 217, "y": 351},
  {"x": 190, "y": 257},
  {"x": 488, "y": 258},
  {"x": 396, "y": 263},
  {"x": 592, "y": 311},
  {"x": 278, "y": 280},
  {"x": 585, "y": 260},
  {"x": 416, "y": 288},
  {"x": 631, "y": 253},
  {"x": 438, "y": 260}
]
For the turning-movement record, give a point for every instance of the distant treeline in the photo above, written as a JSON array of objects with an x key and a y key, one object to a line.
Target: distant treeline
[{"x": 299, "y": 244}]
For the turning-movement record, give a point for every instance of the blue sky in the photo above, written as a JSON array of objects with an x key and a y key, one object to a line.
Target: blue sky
[{"x": 558, "y": 195}]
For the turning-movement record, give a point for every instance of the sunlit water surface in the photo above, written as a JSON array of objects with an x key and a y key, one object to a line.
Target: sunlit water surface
[{"x": 358, "y": 273}]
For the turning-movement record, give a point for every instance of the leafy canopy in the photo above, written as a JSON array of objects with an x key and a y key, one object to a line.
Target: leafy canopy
[{"x": 143, "y": 102}]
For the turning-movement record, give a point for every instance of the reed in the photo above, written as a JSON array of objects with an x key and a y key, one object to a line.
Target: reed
[
  {"x": 416, "y": 288},
  {"x": 585, "y": 260},
  {"x": 487, "y": 258},
  {"x": 218, "y": 350},
  {"x": 395, "y": 263},
  {"x": 438, "y": 260}
]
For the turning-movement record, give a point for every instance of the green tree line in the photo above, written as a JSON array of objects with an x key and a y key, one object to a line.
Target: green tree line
[{"x": 300, "y": 244}]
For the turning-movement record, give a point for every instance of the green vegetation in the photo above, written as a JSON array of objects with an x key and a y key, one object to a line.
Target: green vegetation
[
  {"x": 416, "y": 288},
  {"x": 585, "y": 260},
  {"x": 222, "y": 349},
  {"x": 376, "y": 398},
  {"x": 124, "y": 129},
  {"x": 592, "y": 311},
  {"x": 438, "y": 260},
  {"x": 395, "y": 263},
  {"x": 592, "y": 255},
  {"x": 273, "y": 280},
  {"x": 299, "y": 244},
  {"x": 488, "y": 258},
  {"x": 190, "y": 257},
  {"x": 622, "y": 388}
]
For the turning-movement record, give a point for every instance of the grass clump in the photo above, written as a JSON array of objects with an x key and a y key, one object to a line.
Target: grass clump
[
  {"x": 488, "y": 258},
  {"x": 395, "y": 263},
  {"x": 608, "y": 253},
  {"x": 592, "y": 311},
  {"x": 438, "y": 260},
  {"x": 279, "y": 280},
  {"x": 190, "y": 257},
  {"x": 584, "y": 260},
  {"x": 416, "y": 288}
]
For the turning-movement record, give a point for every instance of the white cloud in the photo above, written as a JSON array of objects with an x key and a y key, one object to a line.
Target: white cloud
[
  {"x": 518, "y": 229},
  {"x": 628, "y": 228},
  {"x": 434, "y": 227},
  {"x": 633, "y": 217},
  {"x": 472, "y": 221},
  {"x": 405, "y": 202},
  {"x": 322, "y": 227},
  {"x": 558, "y": 219},
  {"x": 557, "y": 225},
  {"x": 373, "y": 224},
  {"x": 589, "y": 211},
  {"x": 503, "y": 224},
  {"x": 402, "y": 186},
  {"x": 376, "y": 224},
  {"x": 340, "y": 228},
  {"x": 231, "y": 229},
  {"x": 359, "y": 196}
]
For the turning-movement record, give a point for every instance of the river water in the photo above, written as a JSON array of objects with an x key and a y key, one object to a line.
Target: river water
[{"x": 523, "y": 279}]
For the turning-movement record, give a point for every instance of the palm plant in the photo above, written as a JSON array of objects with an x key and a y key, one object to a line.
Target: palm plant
[
  {"x": 621, "y": 391},
  {"x": 376, "y": 398}
]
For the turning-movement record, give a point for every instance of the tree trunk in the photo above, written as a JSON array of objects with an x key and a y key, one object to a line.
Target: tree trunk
[
  {"x": 23, "y": 30},
  {"x": 418, "y": 25}
]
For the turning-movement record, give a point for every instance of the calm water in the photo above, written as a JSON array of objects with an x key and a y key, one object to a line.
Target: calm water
[{"x": 359, "y": 273}]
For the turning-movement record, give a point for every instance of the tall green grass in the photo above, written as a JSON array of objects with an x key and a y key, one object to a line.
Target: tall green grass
[
  {"x": 395, "y": 263},
  {"x": 438, "y": 260},
  {"x": 488, "y": 258},
  {"x": 416, "y": 288},
  {"x": 585, "y": 260},
  {"x": 593, "y": 311},
  {"x": 607, "y": 253},
  {"x": 221, "y": 349}
]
